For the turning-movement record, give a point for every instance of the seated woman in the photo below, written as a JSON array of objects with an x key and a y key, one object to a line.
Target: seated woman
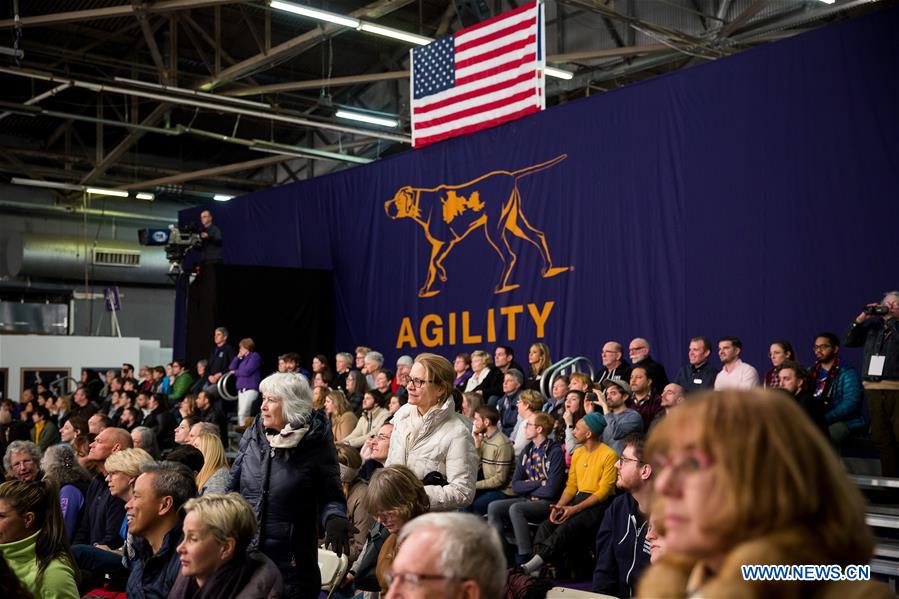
[
  {"x": 574, "y": 411},
  {"x": 144, "y": 438},
  {"x": 60, "y": 464},
  {"x": 182, "y": 431},
  {"x": 462, "y": 368},
  {"x": 356, "y": 386},
  {"x": 343, "y": 420},
  {"x": 218, "y": 529},
  {"x": 538, "y": 362},
  {"x": 780, "y": 351},
  {"x": 33, "y": 539},
  {"x": 395, "y": 496},
  {"x": 780, "y": 493},
  {"x": 213, "y": 477}
]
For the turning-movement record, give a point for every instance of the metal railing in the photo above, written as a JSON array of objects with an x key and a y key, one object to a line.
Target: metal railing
[{"x": 563, "y": 367}]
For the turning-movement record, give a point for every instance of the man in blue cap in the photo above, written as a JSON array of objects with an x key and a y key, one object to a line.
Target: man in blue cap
[{"x": 575, "y": 518}]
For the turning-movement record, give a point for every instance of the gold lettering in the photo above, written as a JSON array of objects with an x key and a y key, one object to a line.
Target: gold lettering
[
  {"x": 406, "y": 334},
  {"x": 426, "y": 339},
  {"x": 491, "y": 327},
  {"x": 540, "y": 318},
  {"x": 452, "y": 328},
  {"x": 509, "y": 312},
  {"x": 467, "y": 337}
]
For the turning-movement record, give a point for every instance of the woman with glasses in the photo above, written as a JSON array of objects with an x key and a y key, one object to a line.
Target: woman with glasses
[
  {"x": 744, "y": 477},
  {"x": 33, "y": 539},
  {"x": 22, "y": 461},
  {"x": 395, "y": 496},
  {"x": 431, "y": 439},
  {"x": 356, "y": 386}
]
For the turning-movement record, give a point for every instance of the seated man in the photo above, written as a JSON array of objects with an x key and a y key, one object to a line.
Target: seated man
[
  {"x": 794, "y": 380},
  {"x": 373, "y": 416},
  {"x": 839, "y": 388},
  {"x": 699, "y": 373},
  {"x": 538, "y": 481},
  {"x": 646, "y": 401},
  {"x": 453, "y": 555},
  {"x": 154, "y": 518},
  {"x": 496, "y": 458},
  {"x": 575, "y": 518},
  {"x": 621, "y": 549},
  {"x": 507, "y": 405},
  {"x": 620, "y": 419},
  {"x": 209, "y": 411},
  {"x": 735, "y": 373},
  {"x": 374, "y": 452}
]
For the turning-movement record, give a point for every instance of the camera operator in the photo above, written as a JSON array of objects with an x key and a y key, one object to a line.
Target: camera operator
[
  {"x": 211, "y": 240},
  {"x": 877, "y": 330}
]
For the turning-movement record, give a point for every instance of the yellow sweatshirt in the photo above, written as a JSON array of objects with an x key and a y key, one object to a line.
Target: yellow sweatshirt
[{"x": 593, "y": 472}]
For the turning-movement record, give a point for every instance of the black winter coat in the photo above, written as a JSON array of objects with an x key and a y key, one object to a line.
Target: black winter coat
[{"x": 293, "y": 492}]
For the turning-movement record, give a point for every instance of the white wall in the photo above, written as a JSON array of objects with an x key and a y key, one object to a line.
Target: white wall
[{"x": 58, "y": 352}]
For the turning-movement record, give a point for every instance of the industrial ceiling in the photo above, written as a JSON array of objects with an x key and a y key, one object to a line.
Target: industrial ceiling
[{"x": 187, "y": 98}]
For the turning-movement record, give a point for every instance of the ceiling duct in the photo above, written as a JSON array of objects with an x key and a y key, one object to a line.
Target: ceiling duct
[{"x": 58, "y": 257}]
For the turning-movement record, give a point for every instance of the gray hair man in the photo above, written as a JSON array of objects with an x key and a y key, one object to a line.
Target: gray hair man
[{"x": 449, "y": 555}]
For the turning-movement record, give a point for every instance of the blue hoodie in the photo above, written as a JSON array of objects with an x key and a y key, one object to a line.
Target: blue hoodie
[{"x": 622, "y": 553}]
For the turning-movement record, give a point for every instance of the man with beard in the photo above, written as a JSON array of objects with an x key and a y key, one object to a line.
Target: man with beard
[{"x": 839, "y": 388}]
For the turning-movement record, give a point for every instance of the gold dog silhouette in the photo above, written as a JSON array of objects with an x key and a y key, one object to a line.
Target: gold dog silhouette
[{"x": 448, "y": 213}]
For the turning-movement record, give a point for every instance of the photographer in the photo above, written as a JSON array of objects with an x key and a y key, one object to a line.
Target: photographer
[
  {"x": 211, "y": 240},
  {"x": 877, "y": 330}
]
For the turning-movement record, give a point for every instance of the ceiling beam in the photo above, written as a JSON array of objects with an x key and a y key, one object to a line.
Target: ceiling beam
[
  {"x": 208, "y": 173},
  {"x": 742, "y": 18},
  {"x": 297, "y": 45},
  {"x": 109, "y": 12},
  {"x": 132, "y": 138}
]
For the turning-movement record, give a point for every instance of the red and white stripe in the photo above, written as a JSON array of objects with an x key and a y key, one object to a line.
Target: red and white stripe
[{"x": 499, "y": 77}]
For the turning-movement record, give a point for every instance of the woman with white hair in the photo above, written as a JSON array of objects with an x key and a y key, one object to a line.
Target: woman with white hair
[{"x": 286, "y": 468}]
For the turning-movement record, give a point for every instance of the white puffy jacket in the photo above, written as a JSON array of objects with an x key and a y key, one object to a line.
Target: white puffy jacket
[{"x": 444, "y": 444}]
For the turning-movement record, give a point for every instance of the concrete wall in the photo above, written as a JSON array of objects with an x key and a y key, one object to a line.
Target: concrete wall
[{"x": 75, "y": 352}]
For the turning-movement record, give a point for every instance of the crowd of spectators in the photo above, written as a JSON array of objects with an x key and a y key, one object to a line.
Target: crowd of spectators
[{"x": 127, "y": 484}]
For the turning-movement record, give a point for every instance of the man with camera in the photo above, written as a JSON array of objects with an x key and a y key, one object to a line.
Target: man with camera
[
  {"x": 877, "y": 330},
  {"x": 210, "y": 240}
]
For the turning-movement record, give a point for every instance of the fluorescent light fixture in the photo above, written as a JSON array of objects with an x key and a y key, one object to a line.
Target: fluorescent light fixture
[
  {"x": 395, "y": 34},
  {"x": 827, "y": 1},
  {"x": 221, "y": 197},
  {"x": 145, "y": 196},
  {"x": 366, "y": 118},
  {"x": 314, "y": 13},
  {"x": 558, "y": 73},
  {"x": 107, "y": 192},
  {"x": 46, "y": 184}
]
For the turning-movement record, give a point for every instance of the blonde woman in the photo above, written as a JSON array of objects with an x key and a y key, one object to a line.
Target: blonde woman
[
  {"x": 343, "y": 420},
  {"x": 218, "y": 530},
  {"x": 744, "y": 477},
  {"x": 213, "y": 477},
  {"x": 538, "y": 360}
]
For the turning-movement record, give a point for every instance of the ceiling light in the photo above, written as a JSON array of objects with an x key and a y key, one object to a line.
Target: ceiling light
[
  {"x": 558, "y": 73},
  {"x": 395, "y": 34},
  {"x": 366, "y": 118},
  {"x": 107, "y": 192},
  {"x": 145, "y": 196},
  {"x": 827, "y": 1},
  {"x": 221, "y": 197},
  {"x": 314, "y": 13},
  {"x": 47, "y": 184}
]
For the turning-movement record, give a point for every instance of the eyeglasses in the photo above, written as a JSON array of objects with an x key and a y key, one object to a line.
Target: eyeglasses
[
  {"x": 823, "y": 346},
  {"x": 623, "y": 459},
  {"x": 687, "y": 466},
  {"x": 641, "y": 348},
  {"x": 530, "y": 424},
  {"x": 417, "y": 382},
  {"x": 412, "y": 580},
  {"x": 22, "y": 464}
]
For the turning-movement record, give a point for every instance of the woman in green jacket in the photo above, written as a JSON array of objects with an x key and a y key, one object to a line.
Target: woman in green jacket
[{"x": 33, "y": 539}]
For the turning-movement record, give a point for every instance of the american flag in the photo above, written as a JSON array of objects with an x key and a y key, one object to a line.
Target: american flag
[{"x": 480, "y": 77}]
